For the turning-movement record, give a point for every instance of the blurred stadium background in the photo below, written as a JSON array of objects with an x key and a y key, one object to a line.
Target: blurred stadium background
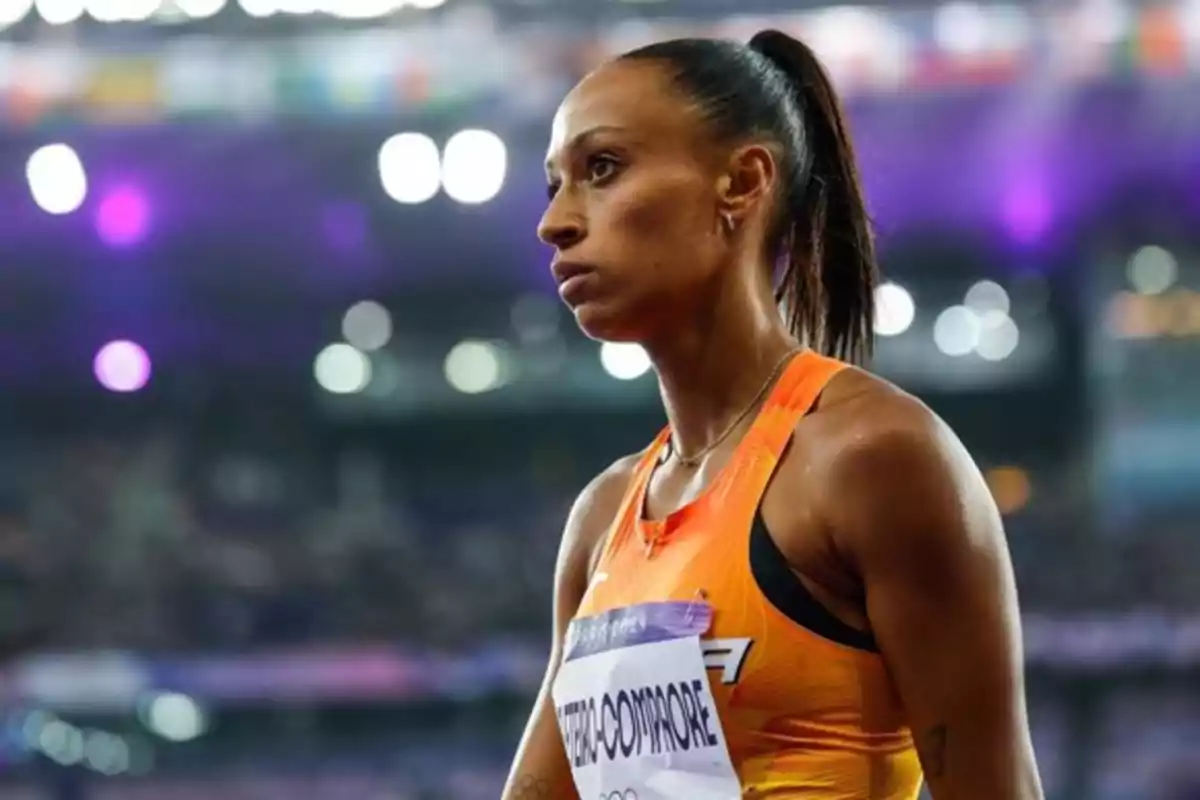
[{"x": 291, "y": 417}]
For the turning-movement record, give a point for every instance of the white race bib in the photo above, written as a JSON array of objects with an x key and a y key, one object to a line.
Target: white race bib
[{"x": 635, "y": 708}]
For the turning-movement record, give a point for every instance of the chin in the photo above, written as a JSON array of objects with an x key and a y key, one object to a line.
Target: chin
[{"x": 603, "y": 323}]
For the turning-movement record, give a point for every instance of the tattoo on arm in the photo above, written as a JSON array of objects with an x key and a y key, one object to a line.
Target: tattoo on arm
[
  {"x": 531, "y": 788},
  {"x": 933, "y": 750}
]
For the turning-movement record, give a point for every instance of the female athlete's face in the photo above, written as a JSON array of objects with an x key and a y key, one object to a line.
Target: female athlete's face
[{"x": 634, "y": 215}]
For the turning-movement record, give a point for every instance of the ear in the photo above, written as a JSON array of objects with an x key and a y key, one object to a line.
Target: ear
[{"x": 748, "y": 182}]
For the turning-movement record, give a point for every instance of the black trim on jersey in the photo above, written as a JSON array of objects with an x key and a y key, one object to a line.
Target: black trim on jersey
[{"x": 784, "y": 589}]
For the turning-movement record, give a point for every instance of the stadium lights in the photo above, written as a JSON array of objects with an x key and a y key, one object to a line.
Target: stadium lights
[
  {"x": 474, "y": 367},
  {"x": 343, "y": 9},
  {"x": 471, "y": 168},
  {"x": 342, "y": 369},
  {"x": 367, "y": 326},
  {"x": 956, "y": 331},
  {"x": 59, "y": 12},
  {"x": 986, "y": 296},
  {"x": 200, "y": 9},
  {"x": 57, "y": 179},
  {"x": 624, "y": 361},
  {"x": 410, "y": 168},
  {"x": 122, "y": 10},
  {"x": 981, "y": 325},
  {"x": 122, "y": 366},
  {"x": 998, "y": 336},
  {"x": 894, "y": 309},
  {"x": 13, "y": 11},
  {"x": 474, "y": 165},
  {"x": 1152, "y": 270}
]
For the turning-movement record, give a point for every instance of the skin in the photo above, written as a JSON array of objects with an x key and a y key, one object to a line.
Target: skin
[{"x": 876, "y": 505}]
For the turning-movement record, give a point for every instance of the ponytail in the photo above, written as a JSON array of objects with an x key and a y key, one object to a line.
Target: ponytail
[{"x": 827, "y": 287}]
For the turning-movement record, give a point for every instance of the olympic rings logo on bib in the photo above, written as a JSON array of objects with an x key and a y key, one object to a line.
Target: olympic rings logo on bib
[{"x": 628, "y": 794}]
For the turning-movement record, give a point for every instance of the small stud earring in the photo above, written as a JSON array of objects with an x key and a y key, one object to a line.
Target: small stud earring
[{"x": 727, "y": 218}]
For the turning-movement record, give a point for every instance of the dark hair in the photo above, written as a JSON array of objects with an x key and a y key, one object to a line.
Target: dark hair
[{"x": 776, "y": 88}]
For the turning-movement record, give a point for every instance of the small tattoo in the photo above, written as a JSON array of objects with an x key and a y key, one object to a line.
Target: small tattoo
[
  {"x": 531, "y": 788},
  {"x": 933, "y": 750}
]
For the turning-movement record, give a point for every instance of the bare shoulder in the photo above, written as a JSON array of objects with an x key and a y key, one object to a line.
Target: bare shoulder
[
  {"x": 592, "y": 514},
  {"x": 887, "y": 465},
  {"x": 858, "y": 411}
]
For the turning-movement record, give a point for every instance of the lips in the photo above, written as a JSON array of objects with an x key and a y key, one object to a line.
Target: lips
[
  {"x": 564, "y": 271},
  {"x": 574, "y": 281}
]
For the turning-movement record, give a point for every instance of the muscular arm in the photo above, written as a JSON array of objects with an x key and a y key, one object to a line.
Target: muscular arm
[
  {"x": 540, "y": 770},
  {"x": 915, "y": 517}
]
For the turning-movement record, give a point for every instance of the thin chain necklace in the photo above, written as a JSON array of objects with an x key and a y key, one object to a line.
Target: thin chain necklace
[{"x": 695, "y": 459}]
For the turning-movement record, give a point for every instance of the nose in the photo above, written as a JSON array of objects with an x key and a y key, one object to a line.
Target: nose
[{"x": 560, "y": 227}]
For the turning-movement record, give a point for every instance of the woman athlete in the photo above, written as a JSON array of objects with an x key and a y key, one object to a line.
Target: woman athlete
[{"x": 801, "y": 589}]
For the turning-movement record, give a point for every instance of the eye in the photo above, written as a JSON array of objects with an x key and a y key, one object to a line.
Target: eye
[
  {"x": 602, "y": 167},
  {"x": 552, "y": 189}
]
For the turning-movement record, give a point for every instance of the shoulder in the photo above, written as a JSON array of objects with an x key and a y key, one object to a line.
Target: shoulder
[
  {"x": 870, "y": 427},
  {"x": 592, "y": 514},
  {"x": 883, "y": 467}
]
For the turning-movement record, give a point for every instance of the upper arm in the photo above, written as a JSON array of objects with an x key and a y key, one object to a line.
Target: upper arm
[
  {"x": 540, "y": 770},
  {"x": 917, "y": 520},
  {"x": 588, "y": 522}
]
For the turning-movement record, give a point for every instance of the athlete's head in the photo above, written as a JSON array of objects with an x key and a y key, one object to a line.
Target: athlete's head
[{"x": 695, "y": 173}]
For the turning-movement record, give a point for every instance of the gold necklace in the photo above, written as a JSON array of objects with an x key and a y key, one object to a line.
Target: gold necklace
[{"x": 694, "y": 460}]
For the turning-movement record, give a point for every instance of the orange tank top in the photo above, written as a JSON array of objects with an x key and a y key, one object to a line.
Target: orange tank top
[{"x": 806, "y": 704}]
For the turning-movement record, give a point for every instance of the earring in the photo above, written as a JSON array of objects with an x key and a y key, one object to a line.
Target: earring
[{"x": 727, "y": 218}]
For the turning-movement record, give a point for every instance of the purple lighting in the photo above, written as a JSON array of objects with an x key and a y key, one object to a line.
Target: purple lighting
[
  {"x": 122, "y": 366},
  {"x": 345, "y": 226},
  {"x": 123, "y": 217},
  {"x": 1027, "y": 213}
]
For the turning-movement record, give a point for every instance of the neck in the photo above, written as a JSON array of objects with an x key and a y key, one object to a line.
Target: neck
[{"x": 711, "y": 370}]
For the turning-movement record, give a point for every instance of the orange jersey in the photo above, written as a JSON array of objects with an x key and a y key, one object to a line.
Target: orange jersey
[{"x": 805, "y": 701}]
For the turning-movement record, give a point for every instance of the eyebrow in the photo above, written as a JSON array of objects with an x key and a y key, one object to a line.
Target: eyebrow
[{"x": 583, "y": 138}]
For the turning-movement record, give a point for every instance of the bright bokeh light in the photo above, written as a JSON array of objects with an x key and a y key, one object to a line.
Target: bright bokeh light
[
  {"x": 894, "y": 309},
  {"x": 298, "y": 7},
  {"x": 32, "y": 725},
  {"x": 123, "y": 217},
  {"x": 342, "y": 369},
  {"x": 473, "y": 367},
  {"x": 105, "y": 753},
  {"x": 1190, "y": 20},
  {"x": 363, "y": 9},
  {"x": 122, "y": 10},
  {"x": 342, "y": 9},
  {"x": 175, "y": 717},
  {"x": 61, "y": 742},
  {"x": 624, "y": 361},
  {"x": 200, "y": 9},
  {"x": 57, "y": 179},
  {"x": 410, "y": 168},
  {"x": 367, "y": 326},
  {"x": 259, "y": 8},
  {"x": 122, "y": 366},
  {"x": 1152, "y": 270},
  {"x": 1103, "y": 21},
  {"x": 843, "y": 33},
  {"x": 998, "y": 336},
  {"x": 474, "y": 165},
  {"x": 956, "y": 331},
  {"x": 13, "y": 11},
  {"x": 987, "y": 296},
  {"x": 960, "y": 28},
  {"x": 59, "y": 12}
]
